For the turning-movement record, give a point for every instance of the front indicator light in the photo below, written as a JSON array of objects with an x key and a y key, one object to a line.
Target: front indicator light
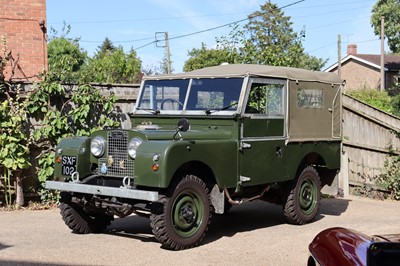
[
  {"x": 155, "y": 167},
  {"x": 58, "y": 160}
]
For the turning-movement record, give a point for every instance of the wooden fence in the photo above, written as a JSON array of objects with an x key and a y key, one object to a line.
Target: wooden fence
[{"x": 368, "y": 136}]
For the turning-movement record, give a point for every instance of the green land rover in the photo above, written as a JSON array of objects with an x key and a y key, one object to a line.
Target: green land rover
[{"x": 202, "y": 142}]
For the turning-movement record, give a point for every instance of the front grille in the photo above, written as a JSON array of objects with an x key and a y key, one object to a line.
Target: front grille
[{"x": 117, "y": 161}]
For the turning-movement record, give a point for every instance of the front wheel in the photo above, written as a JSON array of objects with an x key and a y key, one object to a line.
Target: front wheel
[
  {"x": 303, "y": 200},
  {"x": 81, "y": 222},
  {"x": 185, "y": 215}
]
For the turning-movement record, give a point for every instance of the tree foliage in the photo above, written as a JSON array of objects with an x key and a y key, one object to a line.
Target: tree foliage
[
  {"x": 390, "y": 10},
  {"x": 65, "y": 57},
  {"x": 203, "y": 57},
  {"x": 15, "y": 136},
  {"x": 106, "y": 47},
  {"x": 268, "y": 39},
  {"x": 112, "y": 65},
  {"x": 272, "y": 40},
  {"x": 40, "y": 117},
  {"x": 378, "y": 99}
]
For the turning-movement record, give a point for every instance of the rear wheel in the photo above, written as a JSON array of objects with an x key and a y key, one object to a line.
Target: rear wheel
[
  {"x": 81, "y": 222},
  {"x": 303, "y": 200},
  {"x": 185, "y": 215}
]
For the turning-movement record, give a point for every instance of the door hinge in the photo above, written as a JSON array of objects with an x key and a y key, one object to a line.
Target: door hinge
[
  {"x": 245, "y": 145},
  {"x": 244, "y": 178}
]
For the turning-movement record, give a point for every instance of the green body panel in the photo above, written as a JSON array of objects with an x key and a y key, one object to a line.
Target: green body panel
[
  {"x": 199, "y": 122},
  {"x": 296, "y": 152},
  {"x": 263, "y": 127},
  {"x": 219, "y": 155},
  {"x": 263, "y": 162},
  {"x": 75, "y": 146}
]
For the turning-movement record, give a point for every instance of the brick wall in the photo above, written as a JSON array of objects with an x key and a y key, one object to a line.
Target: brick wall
[
  {"x": 23, "y": 23},
  {"x": 359, "y": 76}
]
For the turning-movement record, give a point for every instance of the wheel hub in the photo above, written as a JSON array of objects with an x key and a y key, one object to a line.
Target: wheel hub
[
  {"x": 307, "y": 196},
  {"x": 187, "y": 213}
]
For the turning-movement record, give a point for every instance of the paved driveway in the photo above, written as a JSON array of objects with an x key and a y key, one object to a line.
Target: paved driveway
[{"x": 252, "y": 234}]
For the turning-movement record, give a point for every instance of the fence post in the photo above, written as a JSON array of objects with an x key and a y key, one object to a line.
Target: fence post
[{"x": 344, "y": 174}]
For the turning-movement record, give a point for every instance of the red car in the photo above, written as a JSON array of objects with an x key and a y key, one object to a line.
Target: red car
[{"x": 341, "y": 247}]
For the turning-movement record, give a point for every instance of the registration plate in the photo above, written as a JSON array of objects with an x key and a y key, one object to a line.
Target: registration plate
[{"x": 68, "y": 165}]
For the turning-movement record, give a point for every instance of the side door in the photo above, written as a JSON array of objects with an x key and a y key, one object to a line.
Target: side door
[{"x": 263, "y": 132}]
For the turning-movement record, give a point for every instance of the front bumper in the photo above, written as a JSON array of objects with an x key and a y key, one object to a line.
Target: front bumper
[{"x": 122, "y": 192}]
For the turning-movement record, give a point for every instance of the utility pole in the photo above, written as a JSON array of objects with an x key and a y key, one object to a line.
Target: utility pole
[
  {"x": 339, "y": 56},
  {"x": 167, "y": 53},
  {"x": 382, "y": 53},
  {"x": 166, "y": 46}
]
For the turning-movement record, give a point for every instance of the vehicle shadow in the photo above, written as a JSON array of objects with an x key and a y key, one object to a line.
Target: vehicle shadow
[
  {"x": 2, "y": 246},
  {"x": 246, "y": 217},
  {"x": 332, "y": 207},
  {"x": 135, "y": 227}
]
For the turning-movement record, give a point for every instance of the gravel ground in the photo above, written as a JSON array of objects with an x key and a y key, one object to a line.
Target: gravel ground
[{"x": 251, "y": 234}]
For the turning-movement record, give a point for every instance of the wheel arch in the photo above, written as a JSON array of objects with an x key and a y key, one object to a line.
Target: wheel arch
[
  {"x": 322, "y": 166},
  {"x": 197, "y": 168}
]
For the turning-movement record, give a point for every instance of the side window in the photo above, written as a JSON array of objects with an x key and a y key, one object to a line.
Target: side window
[{"x": 265, "y": 99}]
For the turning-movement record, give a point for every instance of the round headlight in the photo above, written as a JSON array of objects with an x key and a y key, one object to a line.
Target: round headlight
[
  {"x": 97, "y": 146},
  {"x": 132, "y": 147}
]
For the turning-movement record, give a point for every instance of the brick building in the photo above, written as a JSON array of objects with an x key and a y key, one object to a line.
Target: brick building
[
  {"x": 363, "y": 70},
  {"x": 23, "y": 24}
]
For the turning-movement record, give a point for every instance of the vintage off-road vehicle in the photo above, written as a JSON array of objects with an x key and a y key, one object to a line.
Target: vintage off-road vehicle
[{"x": 201, "y": 142}]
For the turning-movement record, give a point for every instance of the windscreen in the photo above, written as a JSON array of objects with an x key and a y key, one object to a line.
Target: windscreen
[{"x": 191, "y": 95}]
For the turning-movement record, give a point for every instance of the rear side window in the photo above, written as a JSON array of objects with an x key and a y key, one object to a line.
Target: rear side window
[{"x": 310, "y": 98}]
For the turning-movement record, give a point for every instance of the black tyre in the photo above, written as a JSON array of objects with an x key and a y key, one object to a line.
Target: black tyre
[
  {"x": 185, "y": 215},
  {"x": 81, "y": 222},
  {"x": 303, "y": 200}
]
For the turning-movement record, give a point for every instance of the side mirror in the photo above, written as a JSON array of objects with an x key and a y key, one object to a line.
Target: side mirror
[{"x": 183, "y": 126}]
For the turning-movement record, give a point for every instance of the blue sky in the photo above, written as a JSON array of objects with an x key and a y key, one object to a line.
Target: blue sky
[{"x": 134, "y": 24}]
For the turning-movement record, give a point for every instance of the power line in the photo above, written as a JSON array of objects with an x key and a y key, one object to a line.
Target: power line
[
  {"x": 336, "y": 4},
  {"x": 334, "y": 43},
  {"x": 144, "y": 45},
  {"x": 340, "y": 22},
  {"x": 221, "y": 26},
  {"x": 162, "y": 18},
  {"x": 145, "y": 19},
  {"x": 225, "y": 25},
  {"x": 127, "y": 41}
]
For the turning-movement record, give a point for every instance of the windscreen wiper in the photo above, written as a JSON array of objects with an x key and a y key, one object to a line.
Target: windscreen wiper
[
  {"x": 150, "y": 110},
  {"x": 210, "y": 111}
]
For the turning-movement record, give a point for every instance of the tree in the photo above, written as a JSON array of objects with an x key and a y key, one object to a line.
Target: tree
[
  {"x": 65, "y": 58},
  {"x": 106, "y": 47},
  {"x": 272, "y": 40},
  {"x": 112, "y": 65},
  {"x": 15, "y": 136},
  {"x": 268, "y": 39},
  {"x": 203, "y": 57},
  {"x": 390, "y": 10}
]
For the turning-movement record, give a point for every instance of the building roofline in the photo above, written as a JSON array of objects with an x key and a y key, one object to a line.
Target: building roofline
[{"x": 348, "y": 57}]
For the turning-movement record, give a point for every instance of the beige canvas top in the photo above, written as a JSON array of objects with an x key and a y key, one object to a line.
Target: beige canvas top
[{"x": 241, "y": 70}]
